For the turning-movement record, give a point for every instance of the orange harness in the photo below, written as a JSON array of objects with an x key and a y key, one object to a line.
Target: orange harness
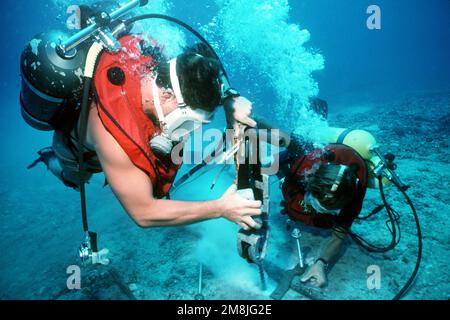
[{"x": 120, "y": 109}]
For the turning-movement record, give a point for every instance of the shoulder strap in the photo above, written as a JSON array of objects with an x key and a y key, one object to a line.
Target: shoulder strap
[{"x": 343, "y": 135}]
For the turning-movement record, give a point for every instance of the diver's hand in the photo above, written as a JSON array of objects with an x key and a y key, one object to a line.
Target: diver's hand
[
  {"x": 239, "y": 210},
  {"x": 239, "y": 110},
  {"x": 315, "y": 275}
]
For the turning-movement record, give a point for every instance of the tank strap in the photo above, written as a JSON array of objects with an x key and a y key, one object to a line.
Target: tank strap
[{"x": 343, "y": 135}]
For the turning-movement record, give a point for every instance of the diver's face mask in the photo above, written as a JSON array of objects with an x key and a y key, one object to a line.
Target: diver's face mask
[
  {"x": 317, "y": 206},
  {"x": 179, "y": 123}
]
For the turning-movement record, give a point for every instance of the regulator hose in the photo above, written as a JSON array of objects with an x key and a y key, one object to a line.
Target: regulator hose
[
  {"x": 89, "y": 69},
  {"x": 82, "y": 137},
  {"x": 393, "y": 216},
  {"x": 392, "y": 224},
  {"x": 411, "y": 279}
]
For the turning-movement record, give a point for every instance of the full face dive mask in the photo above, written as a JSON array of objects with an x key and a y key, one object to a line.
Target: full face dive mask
[
  {"x": 318, "y": 207},
  {"x": 179, "y": 123}
]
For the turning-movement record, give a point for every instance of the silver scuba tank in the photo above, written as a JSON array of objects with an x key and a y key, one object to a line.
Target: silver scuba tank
[
  {"x": 49, "y": 81},
  {"x": 52, "y": 82}
]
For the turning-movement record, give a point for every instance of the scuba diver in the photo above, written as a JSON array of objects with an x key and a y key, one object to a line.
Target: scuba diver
[
  {"x": 154, "y": 98},
  {"x": 325, "y": 188},
  {"x": 142, "y": 105}
]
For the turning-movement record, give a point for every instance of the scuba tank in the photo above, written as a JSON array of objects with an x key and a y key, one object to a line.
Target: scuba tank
[
  {"x": 365, "y": 144},
  {"x": 50, "y": 83},
  {"x": 51, "y": 80},
  {"x": 360, "y": 140}
]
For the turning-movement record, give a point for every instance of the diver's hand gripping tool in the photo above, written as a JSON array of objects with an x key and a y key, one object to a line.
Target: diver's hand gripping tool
[
  {"x": 252, "y": 184},
  {"x": 252, "y": 244}
]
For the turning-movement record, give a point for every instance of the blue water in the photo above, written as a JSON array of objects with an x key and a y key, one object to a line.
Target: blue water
[{"x": 341, "y": 60}]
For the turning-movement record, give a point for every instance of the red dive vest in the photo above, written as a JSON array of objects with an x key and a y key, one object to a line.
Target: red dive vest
[
  {"x": 294, "y": 186},
  {"x": 119, "y": 106}
]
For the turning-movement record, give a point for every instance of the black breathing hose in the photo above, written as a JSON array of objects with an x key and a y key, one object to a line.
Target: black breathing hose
[
  {"x": 81, "y": 141},
  {"x": 411, "y": 279},
  {"x": 394, "y": 221},
  {"x": 393, "y": 228}
]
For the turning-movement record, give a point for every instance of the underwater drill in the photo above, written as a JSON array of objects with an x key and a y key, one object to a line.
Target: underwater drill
[{"x": 252, "y": 184}]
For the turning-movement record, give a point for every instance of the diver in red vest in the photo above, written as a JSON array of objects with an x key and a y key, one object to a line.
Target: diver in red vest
[
  {"x": 144, "y": 105},
  {"x": 325, "y": 188}
]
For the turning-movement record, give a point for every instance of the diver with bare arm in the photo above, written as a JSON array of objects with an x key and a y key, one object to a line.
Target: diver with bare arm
[{"x": 142, "y": 106}]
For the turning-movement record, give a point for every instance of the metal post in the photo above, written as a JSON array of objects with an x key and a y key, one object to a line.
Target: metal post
[{"x": 296, "y": 235}]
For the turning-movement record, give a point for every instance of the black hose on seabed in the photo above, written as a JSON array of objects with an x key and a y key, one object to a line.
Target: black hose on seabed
[{"x": 393, "y": 216}]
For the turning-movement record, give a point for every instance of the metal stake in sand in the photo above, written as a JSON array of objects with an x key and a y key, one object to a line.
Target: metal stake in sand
[
  {"x": 262, "y": 276},
  {"x": 296, "y": 235},
  {"x": 199, "y": 295}
]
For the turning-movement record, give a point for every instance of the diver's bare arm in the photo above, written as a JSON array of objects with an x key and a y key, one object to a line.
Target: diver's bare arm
[
  {"x": 333, "y": 246},
  {"x": 136, "y": 198},
  {"x": 134, "y": 190}
]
